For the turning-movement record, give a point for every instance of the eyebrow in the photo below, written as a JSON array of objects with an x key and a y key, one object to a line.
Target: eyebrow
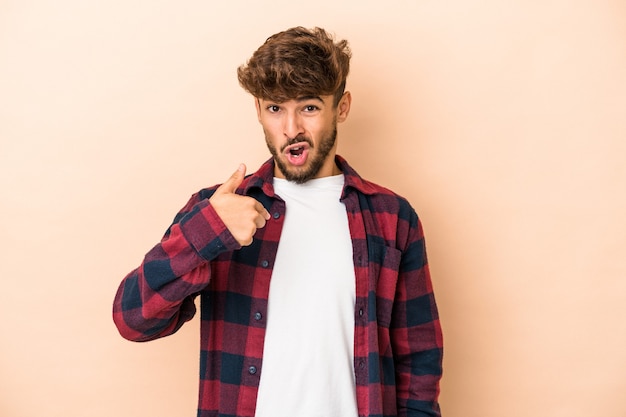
[
  {"x": 306, "y": 98},
  {"x": 298, "y": 99}
]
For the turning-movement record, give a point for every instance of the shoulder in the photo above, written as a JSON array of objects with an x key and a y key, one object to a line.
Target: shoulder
[
  {"x": 383, "y": 201},
  {"x": 376, "y": 198},
  {"x": 194, "y": 202},
  {"x": 389, "y": 218}
]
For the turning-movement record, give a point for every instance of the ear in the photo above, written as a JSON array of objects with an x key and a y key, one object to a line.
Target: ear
[
  {"x": 257, "y": 105},
  {"x": 343, "y": 107}
]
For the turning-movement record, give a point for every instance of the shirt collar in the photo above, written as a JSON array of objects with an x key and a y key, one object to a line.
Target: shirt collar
[{"x": 263, "y": 179}]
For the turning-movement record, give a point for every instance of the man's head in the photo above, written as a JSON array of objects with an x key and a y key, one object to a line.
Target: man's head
[
  {"x": 297, "y": 62},
  {"x": 298, "y": 79}
]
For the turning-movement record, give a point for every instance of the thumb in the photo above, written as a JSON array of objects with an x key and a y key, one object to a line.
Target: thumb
[{"x": 234, "y": 181}]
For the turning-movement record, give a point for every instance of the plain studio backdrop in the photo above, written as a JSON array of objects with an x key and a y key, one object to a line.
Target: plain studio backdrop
[{"x": 503, "y": 122}]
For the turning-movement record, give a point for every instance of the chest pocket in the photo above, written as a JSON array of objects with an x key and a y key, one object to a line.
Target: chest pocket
[{"x": 384, "y": 263}]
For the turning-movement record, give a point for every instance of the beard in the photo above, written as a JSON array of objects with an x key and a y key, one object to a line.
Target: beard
[{"x": 317, "y": 155}]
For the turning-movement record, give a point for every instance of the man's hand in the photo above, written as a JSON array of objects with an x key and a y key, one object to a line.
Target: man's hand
[{"x": 242, "y": 215}]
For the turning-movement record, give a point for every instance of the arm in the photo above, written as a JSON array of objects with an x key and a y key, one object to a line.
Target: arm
[
  {"x": 416, "y": 335},
  {"x": 156, "y": 299}
]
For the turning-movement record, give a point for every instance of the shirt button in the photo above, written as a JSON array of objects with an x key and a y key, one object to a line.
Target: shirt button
[
  {"x": 361, "y": 312},
  {"x": 258, "y": 316},
  {"x": 265, "y": 264},
  {"x": 276, "y": 215},
  {"x": 252, "y": 370},
  {"x": 361, "y": 365}
]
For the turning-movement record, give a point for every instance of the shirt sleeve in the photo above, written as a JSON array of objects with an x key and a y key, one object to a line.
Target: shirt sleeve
[
  {"x": 157, "y": 298},
  {"x": 416, "y": 335}
]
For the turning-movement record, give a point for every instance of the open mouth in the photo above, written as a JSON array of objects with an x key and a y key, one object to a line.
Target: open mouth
[{"x": 297, "y": 153}]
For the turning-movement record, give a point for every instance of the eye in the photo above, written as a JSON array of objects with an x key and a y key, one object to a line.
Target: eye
[
  {"x": 272, "y": 108},
  {"x": 310, "y": 108}
]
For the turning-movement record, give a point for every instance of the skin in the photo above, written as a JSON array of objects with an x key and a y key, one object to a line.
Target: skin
[{"x": 304, "y": 122}]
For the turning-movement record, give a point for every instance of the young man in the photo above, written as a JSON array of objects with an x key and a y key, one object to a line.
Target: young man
[{"x": 315, "y": 294}]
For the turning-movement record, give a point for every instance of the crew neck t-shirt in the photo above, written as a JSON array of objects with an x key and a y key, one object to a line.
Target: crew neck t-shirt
[{"x": 308, "y": 356}]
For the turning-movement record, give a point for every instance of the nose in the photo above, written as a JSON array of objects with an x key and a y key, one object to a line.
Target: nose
[{"x": 292, "y": 125}]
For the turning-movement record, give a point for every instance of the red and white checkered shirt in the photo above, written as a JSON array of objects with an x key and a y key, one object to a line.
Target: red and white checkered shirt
[{"x": 397, "y": 337}]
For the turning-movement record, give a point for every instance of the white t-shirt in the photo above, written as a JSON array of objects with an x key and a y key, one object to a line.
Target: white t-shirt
[{"x": 308, "y": 357}]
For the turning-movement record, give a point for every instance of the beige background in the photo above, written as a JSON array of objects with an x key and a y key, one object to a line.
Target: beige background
[{"x": 502, "y": 121}]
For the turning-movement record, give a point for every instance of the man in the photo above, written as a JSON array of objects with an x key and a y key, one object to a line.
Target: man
[{"x": 315, "y": 294}]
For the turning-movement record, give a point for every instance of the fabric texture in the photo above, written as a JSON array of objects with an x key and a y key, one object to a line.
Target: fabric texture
[{"x": 397, "y": 337}]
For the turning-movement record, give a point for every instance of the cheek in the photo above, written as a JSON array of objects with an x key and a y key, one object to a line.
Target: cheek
[
  {"x": 271, "y": 140},
  {"x": 316, "y": 129},
  {"x": 322, "y": 130},
  {"x": 271, "y": 128}
]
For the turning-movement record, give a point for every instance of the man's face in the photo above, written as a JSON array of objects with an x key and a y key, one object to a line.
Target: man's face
[{"x": 301, "y": 133}]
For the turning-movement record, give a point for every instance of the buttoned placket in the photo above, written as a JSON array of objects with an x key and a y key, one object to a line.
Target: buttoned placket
[{"x": 273, "y": 229}]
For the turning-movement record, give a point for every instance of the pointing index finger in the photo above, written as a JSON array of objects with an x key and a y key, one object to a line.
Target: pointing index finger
[{"x": 262, "y": 211}]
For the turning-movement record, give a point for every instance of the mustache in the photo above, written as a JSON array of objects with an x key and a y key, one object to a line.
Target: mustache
[{"x": 297, "y": 139}]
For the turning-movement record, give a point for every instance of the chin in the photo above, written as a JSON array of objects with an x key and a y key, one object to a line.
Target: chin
[{"x": 298, "y": 175}]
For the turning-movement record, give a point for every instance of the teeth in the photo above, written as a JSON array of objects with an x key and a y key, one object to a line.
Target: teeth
[{"x": 296, "y": 151}]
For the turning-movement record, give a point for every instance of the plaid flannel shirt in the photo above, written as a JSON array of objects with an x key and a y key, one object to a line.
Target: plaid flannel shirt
[{"x": 397, "y": 335}]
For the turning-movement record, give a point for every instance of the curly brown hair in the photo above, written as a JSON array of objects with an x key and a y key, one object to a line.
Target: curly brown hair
[{"x": 295, "y": 63}]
